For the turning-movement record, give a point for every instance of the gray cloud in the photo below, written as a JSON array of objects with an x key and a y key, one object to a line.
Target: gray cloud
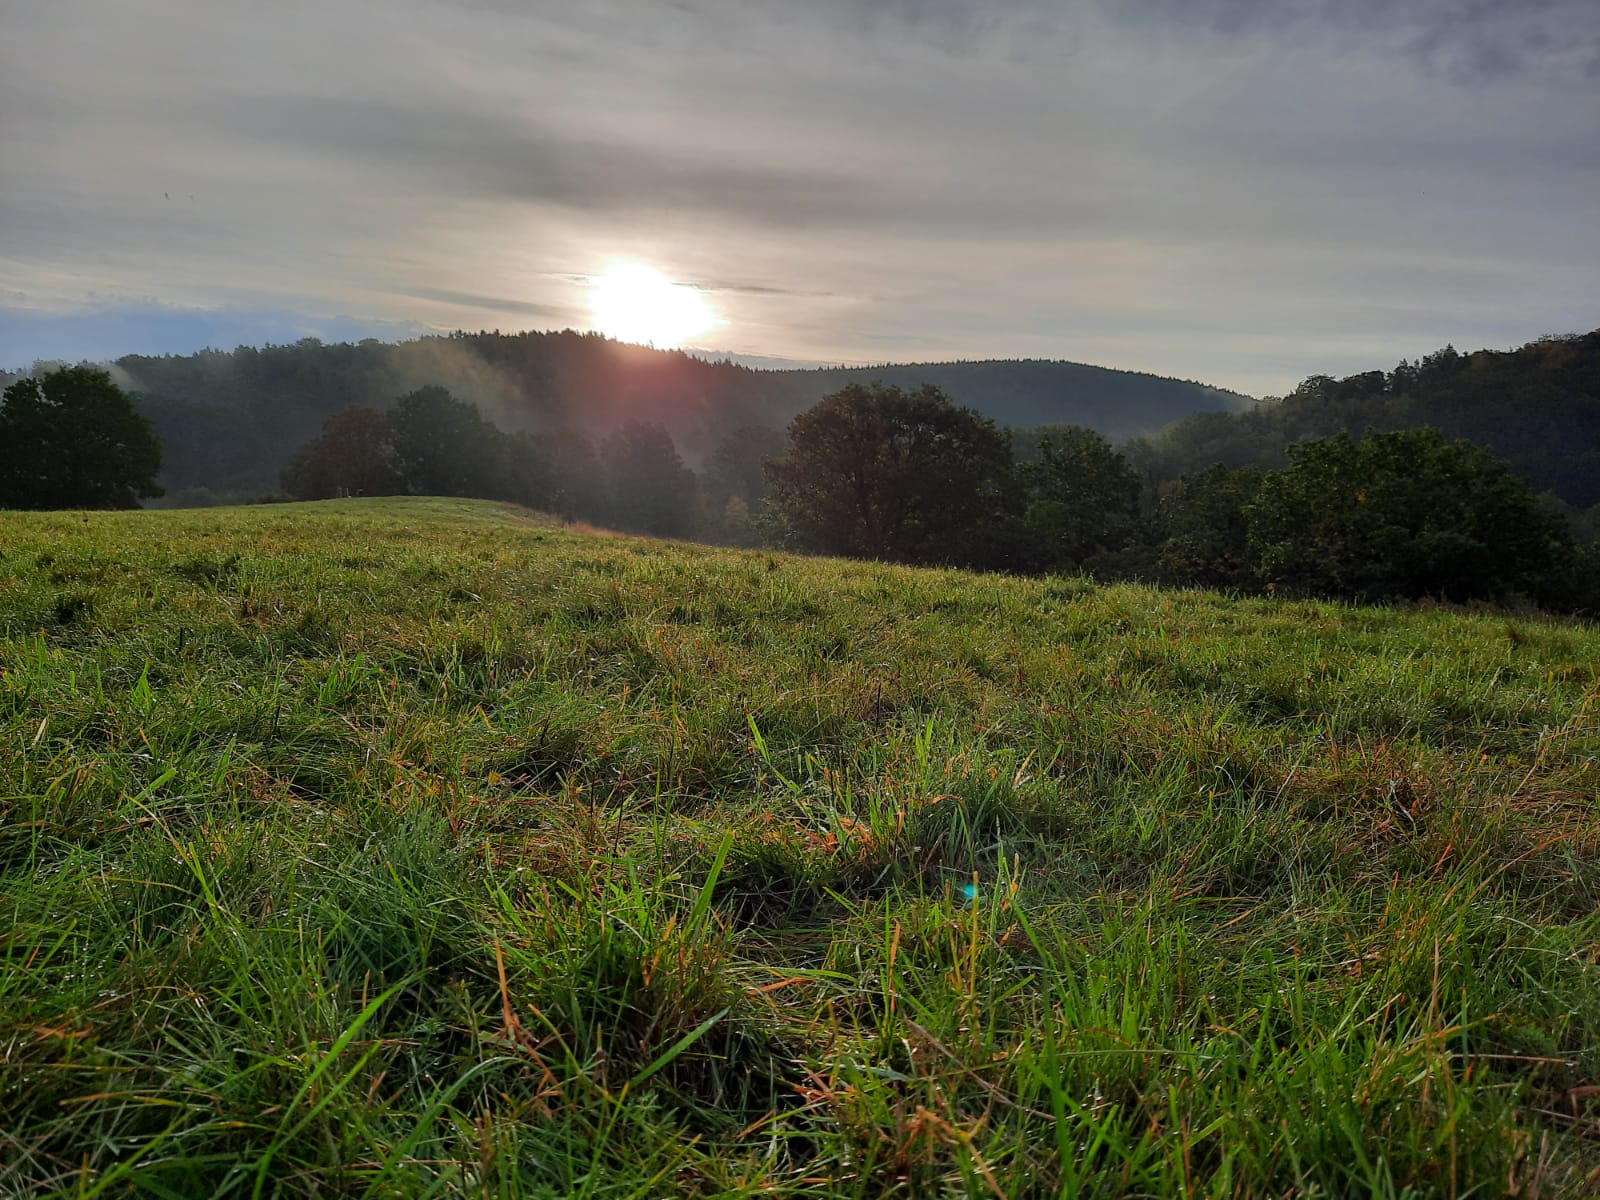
[
  {"x": 755, "y": 289},
  {"x": 1468, "y": 41},
  {"x": 1239, "y": 190},
  {"x": 501, "y": 304},
  {"x": 480, "y": 154}
]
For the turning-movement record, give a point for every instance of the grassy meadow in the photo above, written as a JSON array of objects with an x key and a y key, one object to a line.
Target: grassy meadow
[{"x": 425, "y": 848}]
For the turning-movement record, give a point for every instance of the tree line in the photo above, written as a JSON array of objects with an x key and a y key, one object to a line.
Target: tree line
[
  {"x": 1537, "y": 407},
  {"x": 882, "y": 473},
  {"x": 229, "y": 420},
  {"x": 903, "y": 475},
  {"x": 431, "y": 443}
]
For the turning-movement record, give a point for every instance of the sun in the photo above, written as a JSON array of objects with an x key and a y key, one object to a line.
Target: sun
[{"x": 635, "y": 303}]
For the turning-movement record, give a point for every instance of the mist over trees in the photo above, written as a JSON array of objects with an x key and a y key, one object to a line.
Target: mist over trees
[
  {"x": 735, "y": 469},
  {"x": 432, "y": 443},
  {"x": 231, "y": 420},
  {"x": 1311, "y": 494},
  {"x": 444, "y": 447},
  {"x": 648, "y": 487},
  {"x": 353, "y": 456}
]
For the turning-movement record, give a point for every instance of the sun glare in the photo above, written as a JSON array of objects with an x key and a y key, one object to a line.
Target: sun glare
[{"x": 635, "y": 303}]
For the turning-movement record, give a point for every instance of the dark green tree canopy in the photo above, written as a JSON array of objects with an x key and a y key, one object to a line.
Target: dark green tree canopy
[
  {"x": 1537, "y": 407},
  {"x": 880, "y": 472},
  {"x": 1206, "y": 530},
  {"x": 71, "y": 439},
  {"x": 1404, "y": 514},
  {"x": 1083, "y": 497},
  {"x": 444, "y": 447}
]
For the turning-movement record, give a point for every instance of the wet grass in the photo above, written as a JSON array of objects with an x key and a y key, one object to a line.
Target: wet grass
[{"x": 410, "y": 848}]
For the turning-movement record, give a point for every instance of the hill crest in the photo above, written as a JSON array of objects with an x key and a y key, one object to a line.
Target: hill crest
[{"x": 230, "y": 419}]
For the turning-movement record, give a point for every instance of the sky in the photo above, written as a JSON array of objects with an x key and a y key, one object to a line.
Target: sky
[{"x": 1243, "y": 192}]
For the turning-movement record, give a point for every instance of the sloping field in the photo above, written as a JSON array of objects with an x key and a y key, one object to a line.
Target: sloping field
[{"x": 403, "y": 848}]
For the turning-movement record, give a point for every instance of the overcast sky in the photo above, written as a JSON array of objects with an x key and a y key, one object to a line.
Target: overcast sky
[{"x": 1244, "y": 192}]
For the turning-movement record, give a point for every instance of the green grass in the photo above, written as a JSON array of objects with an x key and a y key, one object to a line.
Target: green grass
[{"x": 411, "y": 848}]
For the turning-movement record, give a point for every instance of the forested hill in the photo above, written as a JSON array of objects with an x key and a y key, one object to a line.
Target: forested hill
[
  {"x": 1023, "y": 393},
  {"x": 229, "y": 420},
  {"x": 1538, "y": 407}
]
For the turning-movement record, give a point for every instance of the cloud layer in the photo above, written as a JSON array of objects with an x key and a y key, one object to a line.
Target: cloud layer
[{"x": 1244, "y": 191}]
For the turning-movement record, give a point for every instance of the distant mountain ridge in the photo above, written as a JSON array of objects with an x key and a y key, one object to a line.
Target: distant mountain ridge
[
  {"x": 230, "y": 420},
  {"x": 1027, "y": 392}
]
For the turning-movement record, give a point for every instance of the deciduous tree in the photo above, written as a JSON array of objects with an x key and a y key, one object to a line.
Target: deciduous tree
[
  {"x": 1404, "y": 514},
  {"x": 1207, "y": 534},
  {"x": 879, "y": 472},
  {"x": 353, "y": 456},
  {"x": 444, "y": 447},
  {"x": 1083, "y": 497},
  {"x": 72, "y": 439}
]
